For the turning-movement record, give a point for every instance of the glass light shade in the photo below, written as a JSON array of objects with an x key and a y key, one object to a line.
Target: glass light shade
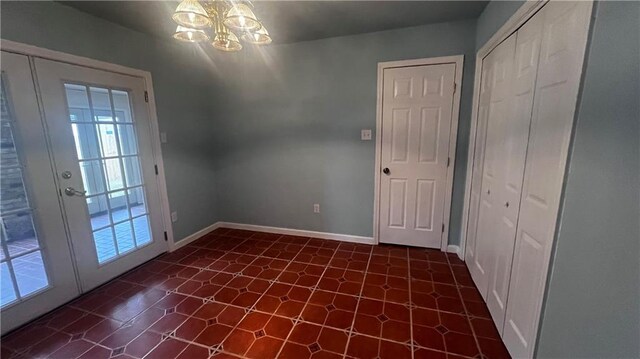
[
  {"x": 227, "y": 42},
  {"x": 190, "y": 13},
  {"x": 258, "y": 37},
  {"x": 240, "y": 17},
  {"x": 190, "y": 35}
]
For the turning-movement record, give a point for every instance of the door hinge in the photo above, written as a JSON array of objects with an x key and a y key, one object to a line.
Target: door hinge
[
  {"x": 166, "y": 237},
  {"x": 146, "y": 96},
  {"x": 448, "y": 161},
  {"x": 442, "y": 228},
  {"x": 155, "y": 167}
]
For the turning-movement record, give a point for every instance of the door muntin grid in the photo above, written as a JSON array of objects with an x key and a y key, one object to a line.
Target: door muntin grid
[
  {"x": 104, "y": 132},
  {"x": 22, "y": 267}
]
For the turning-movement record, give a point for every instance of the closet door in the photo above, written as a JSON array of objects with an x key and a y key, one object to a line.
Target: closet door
[
  {"x": 492, "y": 173},
  {"x": 513, "y": 148},
  {"x": 478, "y": 159},
  {"x": 565, "y": 29}
]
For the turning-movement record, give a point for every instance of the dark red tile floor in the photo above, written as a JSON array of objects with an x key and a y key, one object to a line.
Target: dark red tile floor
[{"x": 236, "y": 293}]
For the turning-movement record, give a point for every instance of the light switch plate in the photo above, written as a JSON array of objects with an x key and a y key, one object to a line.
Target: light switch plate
[
  {"x": 163, "y": 137},
  {"x": 174, "y": 216},
  {"x": 365, "y": 135}
]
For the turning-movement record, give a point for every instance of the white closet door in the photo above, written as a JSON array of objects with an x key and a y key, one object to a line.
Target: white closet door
[
  {"x": 560, "y": 66},
  {"x": 478, "y": 158},
  {"x": 513, "y": 148},
  {"x": 492, "y": 177}
]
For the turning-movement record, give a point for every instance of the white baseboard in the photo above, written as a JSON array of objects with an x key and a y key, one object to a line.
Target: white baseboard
[
  {"x": 453, "y": 248},
  {"x": 192, "y": 237},
  {"x": 299, "y": 232}
]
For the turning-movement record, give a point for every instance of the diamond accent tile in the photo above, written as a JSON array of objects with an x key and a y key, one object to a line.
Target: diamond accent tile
[
  {"x": 259, "y": 334},
  {"x": 330, "y": 307},
  {"x": 386, "y": 287},
  {"x": 341, "y": 280},
  {"x": 442, "y": 329},
  {"x": 284, "y": 298},
  {"x": 117, "y": 351},
  {"x": 314, "y": 347},
  {"x": 436, "y": 295},
  {"x": 77, "y": 336},
  {"x": 212, "y": 321},
  {"x": 169, "y": 310},
  {"x": 383, "y": 318},
  {"x": 242, "y": 290}
]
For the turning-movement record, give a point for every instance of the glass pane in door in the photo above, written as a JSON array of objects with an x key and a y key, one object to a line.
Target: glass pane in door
[
  {"x": 22, "y": 269},
  {"x": 104, "y": 132}
]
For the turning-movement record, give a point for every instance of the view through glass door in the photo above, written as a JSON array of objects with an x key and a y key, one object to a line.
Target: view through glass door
[
  {"x": 36, "y": 267},
  {"x": 101, "y": 139}
]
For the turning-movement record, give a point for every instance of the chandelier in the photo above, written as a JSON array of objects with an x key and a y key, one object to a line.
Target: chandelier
[{"x": 218, "y": 22}]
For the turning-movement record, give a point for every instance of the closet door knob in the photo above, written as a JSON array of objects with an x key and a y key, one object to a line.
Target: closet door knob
[
  {"x": 386, "y": 170},
  {"x": 506, "y": 204}
]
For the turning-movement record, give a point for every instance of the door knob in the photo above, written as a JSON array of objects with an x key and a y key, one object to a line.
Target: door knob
[
  {"x": 506, "y": 204},
  {"x": 386, "y": 170},
  {"x": 66, "y": 174},
  {"x": 70, "y": 191}
]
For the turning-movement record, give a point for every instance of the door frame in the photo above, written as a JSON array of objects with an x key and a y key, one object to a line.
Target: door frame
[
  {"x": 34, "y": 51},
  {"x": 458, "y": 60},
  {"x": 521, "y": 16}
]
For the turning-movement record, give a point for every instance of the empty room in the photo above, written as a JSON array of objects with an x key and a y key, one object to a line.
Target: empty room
[{"x": 203, "y": 179}]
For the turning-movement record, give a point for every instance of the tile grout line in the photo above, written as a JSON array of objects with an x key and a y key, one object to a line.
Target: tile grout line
[
  {"x": 355, "y": 311},
  {"x": 410, "y": 305},
  {"x": 167, "y": 293},
  {"x": 464, "y": 305},
  {"x": 299, "y": 317}
]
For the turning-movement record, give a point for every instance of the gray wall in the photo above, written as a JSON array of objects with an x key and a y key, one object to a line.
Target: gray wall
[
  {"x": 593, "y": 297},
  {"x": 291, "y": 128},
  {"x": 493, "y": 17},
  {"x": 181, "y": 84},
  {"x": 592, "y": 302}
]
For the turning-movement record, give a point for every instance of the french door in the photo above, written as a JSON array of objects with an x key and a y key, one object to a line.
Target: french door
[
  {"x": 100, "y": 137},
  {"x": 80, "y": 200},
  {"x": 36, "y": 266}
]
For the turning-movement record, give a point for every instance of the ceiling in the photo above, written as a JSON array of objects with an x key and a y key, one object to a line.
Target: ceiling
[{"x": 293, "y": 21}]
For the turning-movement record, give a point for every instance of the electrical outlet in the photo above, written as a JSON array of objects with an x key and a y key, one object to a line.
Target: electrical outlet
[
  {"x": 365, "y": 135},
  {"x": 174, "y": 216},
  {"x": 316, "y": 208}
]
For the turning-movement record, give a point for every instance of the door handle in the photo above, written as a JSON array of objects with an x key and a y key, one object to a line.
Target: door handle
[
  {"x": 386, "y": 170},
  {"x": 70, "y": 191}
]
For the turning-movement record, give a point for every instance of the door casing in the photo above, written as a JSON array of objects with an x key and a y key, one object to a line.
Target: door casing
[{"x": 458, "y": 60}]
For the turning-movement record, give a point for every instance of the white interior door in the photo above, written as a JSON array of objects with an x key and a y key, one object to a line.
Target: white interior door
[
  {"x": 416, "y": 124},
  {"x": 36, "y": 270},
  {"x": 490, "y": 206},
  {"x": 564, "y": 38},
  {"x": 101, "y": 139},
  {"x": 512, "y": 161}
]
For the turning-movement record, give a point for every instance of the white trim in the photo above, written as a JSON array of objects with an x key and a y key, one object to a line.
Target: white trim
[
  {"x": 40, "y": 52},
  {"x": 192, "y": 237},
  {"x": 298, "y": 232},
  {"x": 453, "y": 248},
  {"x": 522, "y": 15},
  {"x": 458, "y": 60}
]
